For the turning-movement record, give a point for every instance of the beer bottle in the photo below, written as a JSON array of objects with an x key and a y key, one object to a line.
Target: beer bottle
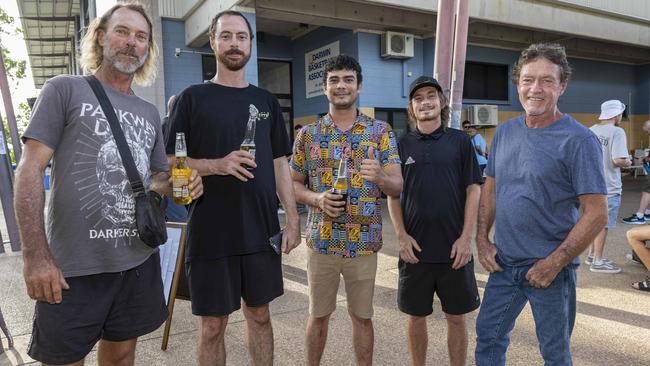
[
  {"x": 181, "y": 173},
  {"x": 341, "y": 183},
  {"x": 249, "y": 138}
]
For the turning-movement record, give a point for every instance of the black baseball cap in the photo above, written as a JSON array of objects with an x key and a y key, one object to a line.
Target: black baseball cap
[{"x": 423, "y": 81}]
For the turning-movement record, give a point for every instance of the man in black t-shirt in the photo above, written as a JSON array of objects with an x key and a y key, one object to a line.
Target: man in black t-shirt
[
  {"x": 434, "y": 221},
  {"x": 228, "y": 256}
]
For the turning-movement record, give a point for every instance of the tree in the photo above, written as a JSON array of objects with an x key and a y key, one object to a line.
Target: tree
[
  {"x": 15, "y": 71},
  {"x": 15, "y": 68}
]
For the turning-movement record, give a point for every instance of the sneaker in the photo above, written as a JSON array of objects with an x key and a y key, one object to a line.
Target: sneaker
[
  {"x": 634, "y": 220},
  {"x": 632, "y": 258},
  {"x": 646, "y": 216},
  {"x": 590, "y": 259},
  {"x": 605, "y": 267}
]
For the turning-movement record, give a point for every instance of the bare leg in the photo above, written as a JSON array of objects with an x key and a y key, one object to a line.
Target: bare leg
[
  {"x": 644, "y": 202},
  {"x": 116, "y": 353},
  {"x": 259, "y": 334},
  {"x": 599, "y": 245},
  {"x": 418, "y": 339},
  {"x": 363, "y": 339},
  {"x": 636, "y": 238},
  {"x": 315, "y": 338},
  {"x": 456, "y": 339},
  {"x": 211, "y": 350},
  {"x": 5, "y": 330}
]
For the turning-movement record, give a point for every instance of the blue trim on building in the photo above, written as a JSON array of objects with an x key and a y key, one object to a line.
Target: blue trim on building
[{"x": 386, "y": 81}]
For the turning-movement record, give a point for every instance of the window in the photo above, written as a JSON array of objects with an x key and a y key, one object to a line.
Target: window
[
  {"x": 485, "y": 81},
  {"x": 397, "y": 118}
]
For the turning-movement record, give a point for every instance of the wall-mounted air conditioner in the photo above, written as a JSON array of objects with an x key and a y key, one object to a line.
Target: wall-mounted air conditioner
[
  {"x": 483, "y": 115},
  {"x": 396, "y": 45}
]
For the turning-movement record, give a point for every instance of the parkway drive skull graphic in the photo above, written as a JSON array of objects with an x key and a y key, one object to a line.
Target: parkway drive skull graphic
[
  {"x": 100, "y": 178},
  {"x": 119, "y": 205}
]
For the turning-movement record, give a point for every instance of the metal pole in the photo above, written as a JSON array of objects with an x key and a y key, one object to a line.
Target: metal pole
[
  {"x": 6, "y": 195},
  {"x": 9, "y": 109},
  {"x": 444, "y": 43},
  {"x": 460, "y": 51}
]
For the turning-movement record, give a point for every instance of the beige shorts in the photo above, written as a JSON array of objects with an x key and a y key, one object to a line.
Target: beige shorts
[{"x": 324, "y": 273}]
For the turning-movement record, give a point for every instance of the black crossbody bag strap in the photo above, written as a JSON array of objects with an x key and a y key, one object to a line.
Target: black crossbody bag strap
[{"x": 122, "y": 146}]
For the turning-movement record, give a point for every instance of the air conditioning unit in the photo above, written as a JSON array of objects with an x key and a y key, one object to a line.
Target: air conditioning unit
[
  {"x": 484, "y": 115},
  {"x": 396, "y": 45}
]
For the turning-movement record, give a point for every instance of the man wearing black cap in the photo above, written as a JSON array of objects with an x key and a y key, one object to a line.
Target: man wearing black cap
[{"x": 434, "y": 221}]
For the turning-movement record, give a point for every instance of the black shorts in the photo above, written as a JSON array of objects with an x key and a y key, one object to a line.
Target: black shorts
[
  {"x": 112, "y": 306},
  {"x": 418, "y": 282},
  {"x": 218, "y": 285}
]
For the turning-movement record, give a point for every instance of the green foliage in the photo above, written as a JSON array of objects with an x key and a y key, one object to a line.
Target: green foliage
[{"x": 15, "y": 68}]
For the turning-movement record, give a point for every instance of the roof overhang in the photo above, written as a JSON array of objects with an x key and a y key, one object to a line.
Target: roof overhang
[{"x": 52, "y": 31}]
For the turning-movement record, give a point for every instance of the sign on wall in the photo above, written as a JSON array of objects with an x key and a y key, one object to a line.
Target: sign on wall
[{"x": 315, "y": 62}]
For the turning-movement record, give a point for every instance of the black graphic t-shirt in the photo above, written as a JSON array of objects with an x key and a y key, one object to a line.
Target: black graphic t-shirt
[
  {"x": 232, "y": 217},
  {"x": 91, "y": 213}
]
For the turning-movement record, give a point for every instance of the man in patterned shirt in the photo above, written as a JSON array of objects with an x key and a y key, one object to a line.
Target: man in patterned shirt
[{"x": 343, "y": 235}]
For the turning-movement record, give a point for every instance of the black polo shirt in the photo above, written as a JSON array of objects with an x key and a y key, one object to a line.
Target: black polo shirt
[
  {"x": 437, "y": 168},
  {"x": 232, "y": 217}
]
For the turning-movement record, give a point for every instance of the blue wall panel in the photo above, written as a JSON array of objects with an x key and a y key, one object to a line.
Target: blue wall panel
[
  {"x": 386, "y": 81},
  {"x": 429, "y": 49},
  {"x": 641, "y": 102},
  {"x": 274, "y": 47},
  {"x": 318, "y": 38},
  {"x": 183, "y": 71},
  {"x": 594, "y": 82}
]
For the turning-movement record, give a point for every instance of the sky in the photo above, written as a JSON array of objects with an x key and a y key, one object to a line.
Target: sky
[{"x": 24, "y": 88}]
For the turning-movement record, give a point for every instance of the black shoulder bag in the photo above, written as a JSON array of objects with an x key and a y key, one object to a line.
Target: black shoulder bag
[{"x": 149, "y": 211}]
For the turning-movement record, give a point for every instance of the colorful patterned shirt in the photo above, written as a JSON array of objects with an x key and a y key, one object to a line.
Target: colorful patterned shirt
[{"x": 317, "y": 152}]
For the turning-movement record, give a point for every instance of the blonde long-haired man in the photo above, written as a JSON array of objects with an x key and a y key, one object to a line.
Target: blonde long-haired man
[{"x": 92, "y": 276}]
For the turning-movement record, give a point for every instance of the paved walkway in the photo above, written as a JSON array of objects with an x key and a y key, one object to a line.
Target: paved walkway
[{"x": 612, "y": 325}]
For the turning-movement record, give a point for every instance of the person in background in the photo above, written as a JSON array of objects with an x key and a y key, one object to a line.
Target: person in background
[
  {"x": 637, "y": 238},
  {"x": 480, "y": 146},
  {"x": 614, "y": 145}
]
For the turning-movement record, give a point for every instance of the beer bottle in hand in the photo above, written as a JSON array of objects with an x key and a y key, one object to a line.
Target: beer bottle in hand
[
  {"x": 249, "y": 139},
  {"x": 181, "y": 173},
  {"x": 341, "y": 183}
]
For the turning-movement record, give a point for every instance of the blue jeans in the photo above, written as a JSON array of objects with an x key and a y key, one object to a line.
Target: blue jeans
[{"x": 554, "y": 311}]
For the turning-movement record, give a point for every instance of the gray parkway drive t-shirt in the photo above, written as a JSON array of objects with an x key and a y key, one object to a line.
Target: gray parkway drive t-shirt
[{"x": 91, "y": 221}]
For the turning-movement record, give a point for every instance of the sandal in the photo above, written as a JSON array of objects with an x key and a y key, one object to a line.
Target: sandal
[{"x": 643, "y": 285}]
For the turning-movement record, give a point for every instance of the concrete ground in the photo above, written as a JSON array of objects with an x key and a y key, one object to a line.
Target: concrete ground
[{"x": 612, "y": 325}]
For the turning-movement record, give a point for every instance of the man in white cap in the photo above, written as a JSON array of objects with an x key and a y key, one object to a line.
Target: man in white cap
[{"x": 615, "y": 156}]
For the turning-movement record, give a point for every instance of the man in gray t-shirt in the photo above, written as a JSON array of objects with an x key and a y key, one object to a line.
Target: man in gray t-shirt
[
  {"x": 540, "y": 174},
  {"x": 92, "y": 277},
  {"x": 615, "y": 156}
]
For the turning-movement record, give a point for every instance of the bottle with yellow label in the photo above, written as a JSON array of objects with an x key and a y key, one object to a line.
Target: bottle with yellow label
[
  {"x": 181, "y": 173},
  {"x": 340, "y": 185}
]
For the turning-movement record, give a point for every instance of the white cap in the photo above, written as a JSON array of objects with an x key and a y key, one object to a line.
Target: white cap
[{"x": 611, "y": 109}]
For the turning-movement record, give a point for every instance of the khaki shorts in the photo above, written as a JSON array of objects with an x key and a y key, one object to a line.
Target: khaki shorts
[{"x": 324, "y": 273}]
